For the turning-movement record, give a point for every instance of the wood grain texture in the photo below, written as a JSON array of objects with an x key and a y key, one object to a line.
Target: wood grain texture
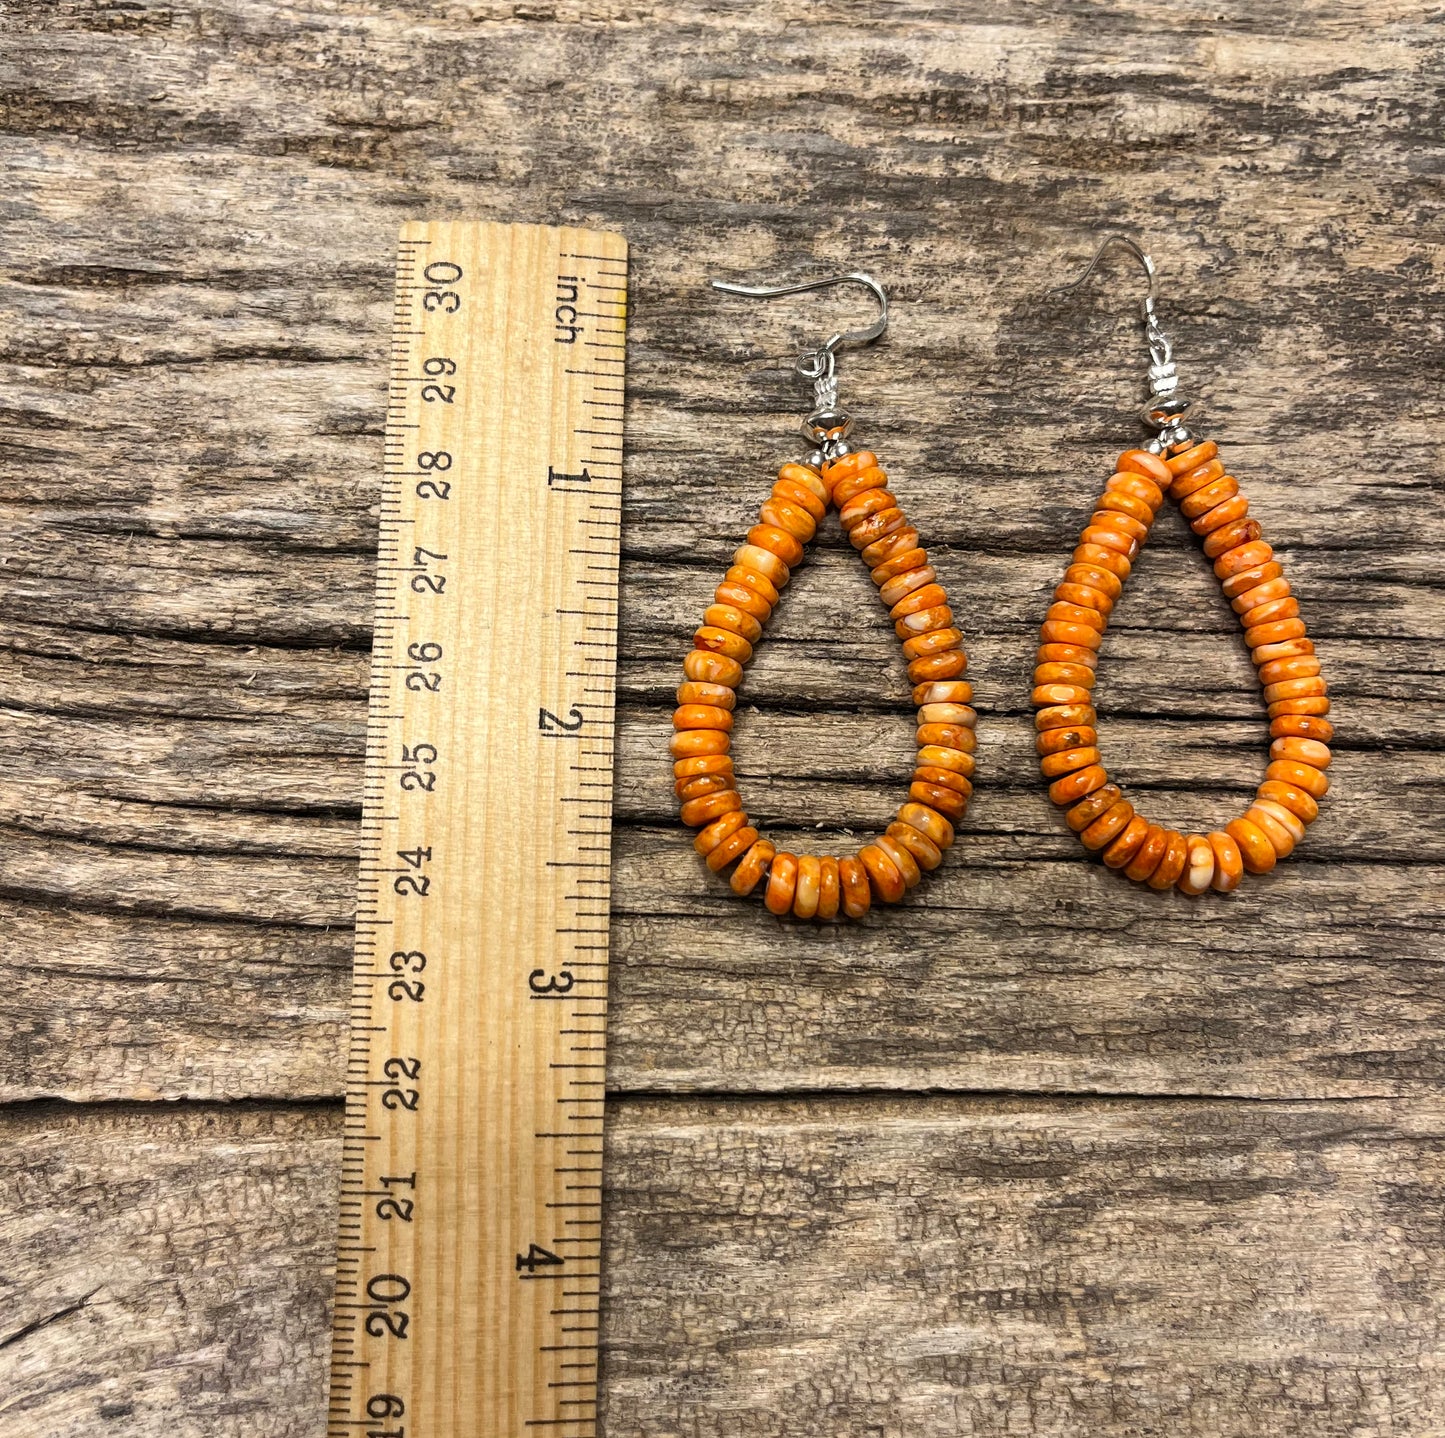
[
  {"x": 199, "y": 206},
  {"x": 896, "y": 1266}
]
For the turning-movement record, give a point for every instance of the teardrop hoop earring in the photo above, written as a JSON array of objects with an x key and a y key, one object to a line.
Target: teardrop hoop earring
[
  {"x": 806, "y": 885},
  {"x": 1189, "y": 469}
]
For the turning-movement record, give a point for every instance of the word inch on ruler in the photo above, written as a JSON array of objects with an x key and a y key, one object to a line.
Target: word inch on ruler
[{"x": 470, "y": 1231}]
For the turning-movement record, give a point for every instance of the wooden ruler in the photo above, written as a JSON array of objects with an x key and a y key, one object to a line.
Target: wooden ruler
[{"x": 471, "y": 1208}]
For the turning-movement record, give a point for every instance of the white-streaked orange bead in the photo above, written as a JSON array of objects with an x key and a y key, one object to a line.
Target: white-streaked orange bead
[
  {"x": 1289, "y": 670},
  {"x": 809, "y": 886}
]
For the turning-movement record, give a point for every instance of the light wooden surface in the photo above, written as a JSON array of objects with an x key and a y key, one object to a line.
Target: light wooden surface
[{"x": 1037, "y": 1154}]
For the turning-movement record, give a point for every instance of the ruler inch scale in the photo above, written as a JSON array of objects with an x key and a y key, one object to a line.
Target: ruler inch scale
[{"x": 469, "y": 1234}]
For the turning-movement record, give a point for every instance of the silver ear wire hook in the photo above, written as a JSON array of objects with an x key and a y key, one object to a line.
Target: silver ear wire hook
[
  {"x": 1167, "y": 408},
  {"x": 827, "y": 426},
  {"x": 847, "y": 337},
  {"x": 1117, "y": 238}
]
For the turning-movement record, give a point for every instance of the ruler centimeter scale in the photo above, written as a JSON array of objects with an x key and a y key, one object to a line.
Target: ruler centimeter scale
[{"x": 469, "y": 1250}]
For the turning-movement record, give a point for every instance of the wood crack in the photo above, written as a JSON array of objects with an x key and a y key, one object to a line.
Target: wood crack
[{"x": 9, "y": 1340}]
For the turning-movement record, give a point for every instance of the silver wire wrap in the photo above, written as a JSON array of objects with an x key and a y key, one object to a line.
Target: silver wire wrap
[
  {"x": 1167, "y": 408},
  {"x": 828, "y": 426}
]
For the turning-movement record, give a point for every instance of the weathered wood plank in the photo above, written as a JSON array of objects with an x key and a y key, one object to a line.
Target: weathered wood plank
[
  {"x": 798, "y": 767},
  {"x": 1005, "y": 974},
  {"x": 103, "y": 576},
  {"x": 902, "y": 1266},
  {"x": 262, "y": 728},
  {"x": 200, "y": 200},
  {"x": 113, "y": 809},
  {"x": 164, "y": 790},
  {"x": 171, "y": 1270}
]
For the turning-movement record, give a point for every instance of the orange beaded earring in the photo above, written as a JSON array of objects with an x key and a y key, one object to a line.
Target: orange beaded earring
[
  {"x": 1189, "y": 469},
  {"x": 806, "y": 885}
]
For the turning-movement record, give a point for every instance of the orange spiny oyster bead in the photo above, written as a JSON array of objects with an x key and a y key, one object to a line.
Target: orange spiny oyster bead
[
  {"x": 1294, "y": 690},
  {"x": 805, "y": 886}
]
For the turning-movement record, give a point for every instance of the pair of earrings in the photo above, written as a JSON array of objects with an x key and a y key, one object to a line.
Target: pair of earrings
[{"x": 1174, "y": 463}]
